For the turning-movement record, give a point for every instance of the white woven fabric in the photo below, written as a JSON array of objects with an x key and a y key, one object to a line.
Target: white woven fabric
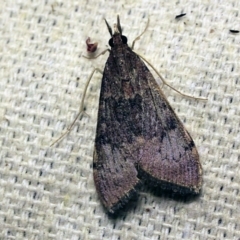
[{"x": 48, "y": 192}]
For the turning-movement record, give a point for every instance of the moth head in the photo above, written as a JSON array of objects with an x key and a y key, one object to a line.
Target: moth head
[{"x": 117, "y": 36}]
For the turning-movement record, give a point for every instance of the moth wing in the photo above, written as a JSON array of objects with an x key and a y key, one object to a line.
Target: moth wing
[
  {"x": 139, "y": 136},
  {"x": 169, "y": 156},
  {"x": 114, "y": 171},
  {"x": 115, "y": 178}
]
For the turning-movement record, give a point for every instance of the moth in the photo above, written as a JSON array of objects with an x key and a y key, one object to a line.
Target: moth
[{"x": 139, "y": 138}]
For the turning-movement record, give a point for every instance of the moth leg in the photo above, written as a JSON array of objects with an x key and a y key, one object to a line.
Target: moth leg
[
  {"x": 164, "y": 81},
  {"x": 81, "y": 108},
  {"x": 138, "y": 37}
]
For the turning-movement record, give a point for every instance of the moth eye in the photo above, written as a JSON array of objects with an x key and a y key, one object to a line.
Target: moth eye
[
  {"x": 124, "y": 39},
  {"x": 110, "y": 42}
]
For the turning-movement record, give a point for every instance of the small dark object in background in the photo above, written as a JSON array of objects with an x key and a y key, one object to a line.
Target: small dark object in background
[
  {"x": 234, "y": 31},
  {"x": 180, "y": 15},
  {"x": 91, "y": 47}
]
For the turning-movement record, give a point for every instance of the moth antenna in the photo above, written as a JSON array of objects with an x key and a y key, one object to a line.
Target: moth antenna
[
  {"x": 109, "y": 28},
  {"x": 119, "y": 25}
]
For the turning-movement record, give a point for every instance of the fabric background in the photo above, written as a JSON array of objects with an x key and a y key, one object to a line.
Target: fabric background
[{"x": 48, "y": 192}]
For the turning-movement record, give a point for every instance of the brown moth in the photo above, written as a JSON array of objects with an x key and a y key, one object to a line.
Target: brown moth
[{"x": 139, "y": 138}]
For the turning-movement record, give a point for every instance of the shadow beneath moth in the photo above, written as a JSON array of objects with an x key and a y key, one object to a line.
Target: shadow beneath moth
[{"x": 139, "y": 138}]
